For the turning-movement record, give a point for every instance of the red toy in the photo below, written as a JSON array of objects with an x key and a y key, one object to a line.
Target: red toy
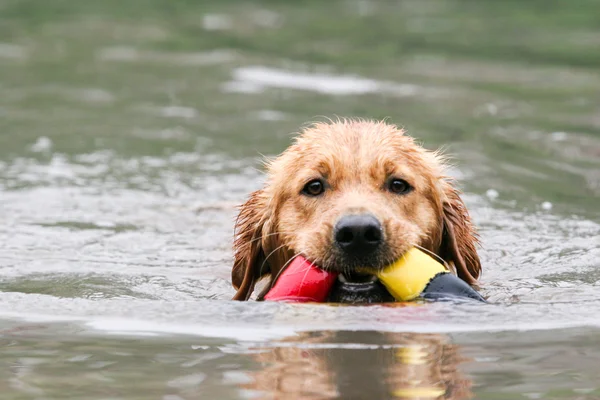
[{"x": 302, "y": 282}]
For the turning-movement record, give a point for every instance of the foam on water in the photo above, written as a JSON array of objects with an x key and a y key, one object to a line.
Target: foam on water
[{"x": 254, "y": 79}]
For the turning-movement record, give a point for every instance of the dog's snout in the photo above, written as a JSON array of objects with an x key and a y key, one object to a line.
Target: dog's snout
[{"x": 358, "y": 234}]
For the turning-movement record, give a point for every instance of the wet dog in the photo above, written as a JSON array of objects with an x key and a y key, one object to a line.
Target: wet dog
[{"x": 352, "y": 194}]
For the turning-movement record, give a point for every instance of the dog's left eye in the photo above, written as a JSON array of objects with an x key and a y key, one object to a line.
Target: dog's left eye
[
  {"x": 314, "y": 188},
  {"x": 399, "y": 186}
]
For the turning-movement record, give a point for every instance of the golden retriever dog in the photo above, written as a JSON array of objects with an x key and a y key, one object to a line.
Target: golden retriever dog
[{"x": 352, "y": 194}]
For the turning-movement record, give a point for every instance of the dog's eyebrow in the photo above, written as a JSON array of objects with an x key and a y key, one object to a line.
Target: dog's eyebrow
[
  {"x": 318, "y": 169},
  {"x": 389, "y": 168}
]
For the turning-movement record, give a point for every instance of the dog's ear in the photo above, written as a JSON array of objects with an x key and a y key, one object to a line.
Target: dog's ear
[
  {"x": 252, "y": 242},
  {"x": 459, "y": 238}
]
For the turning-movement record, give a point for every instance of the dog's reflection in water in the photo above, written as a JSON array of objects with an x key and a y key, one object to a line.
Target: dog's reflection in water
[{"x": 360, "y": 365}]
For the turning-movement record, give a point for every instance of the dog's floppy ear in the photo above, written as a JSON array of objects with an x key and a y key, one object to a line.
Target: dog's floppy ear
[
  {"x": 459, "y": 238},
  {"x": 251, "y": 244}
]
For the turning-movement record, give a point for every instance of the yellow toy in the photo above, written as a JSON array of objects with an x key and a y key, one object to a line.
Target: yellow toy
[
  {"x": 416, "y": 274},
  {"x": 409, "y": 276}
]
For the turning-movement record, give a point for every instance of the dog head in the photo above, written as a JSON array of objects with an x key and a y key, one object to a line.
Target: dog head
[{"x": 349, "y": 195}]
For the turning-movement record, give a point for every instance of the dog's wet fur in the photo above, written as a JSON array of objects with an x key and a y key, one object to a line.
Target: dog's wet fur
[{"x": 352, "y": 194}]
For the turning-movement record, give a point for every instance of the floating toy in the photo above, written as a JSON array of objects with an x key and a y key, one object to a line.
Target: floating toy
[
  {"x": 414, "y": 275},
  {"x": 301, "y": 282}
]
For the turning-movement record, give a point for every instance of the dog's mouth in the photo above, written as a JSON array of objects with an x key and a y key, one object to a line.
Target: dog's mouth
[
  {"x": 415, "y": 275},
  {"x": 358, "y": 288},
  {"x": 355, "y": 278}
]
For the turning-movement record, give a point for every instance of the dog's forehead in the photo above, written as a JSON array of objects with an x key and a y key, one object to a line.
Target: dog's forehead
[
  {"x": 356, "y": 146},
  {"x": 352, "y": 135}
]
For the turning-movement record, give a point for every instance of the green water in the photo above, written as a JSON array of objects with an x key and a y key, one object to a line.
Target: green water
[{"x": 129, "y": 131}]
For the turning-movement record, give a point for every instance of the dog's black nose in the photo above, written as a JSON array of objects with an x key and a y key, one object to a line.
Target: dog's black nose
[{"x": 358, "y": 235}]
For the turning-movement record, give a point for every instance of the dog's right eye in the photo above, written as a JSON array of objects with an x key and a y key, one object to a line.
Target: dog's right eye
[
  {"x": 314, "y": 188},
  {"x": 399, "y": 186}
]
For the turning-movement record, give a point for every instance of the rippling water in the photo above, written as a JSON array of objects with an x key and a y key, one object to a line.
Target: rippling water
[{"x": 129, "y": 133}]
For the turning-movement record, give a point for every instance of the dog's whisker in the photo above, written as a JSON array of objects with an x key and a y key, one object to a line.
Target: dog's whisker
[
  {"x": 269, "y": 234},
  {"x": 305, "y": 275},
  {"x": 267, "y": 258},
  {"x": 432, "y": 254},
  {"x": 404, "y": 257},
  {"x": 283, "y": 267}
]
